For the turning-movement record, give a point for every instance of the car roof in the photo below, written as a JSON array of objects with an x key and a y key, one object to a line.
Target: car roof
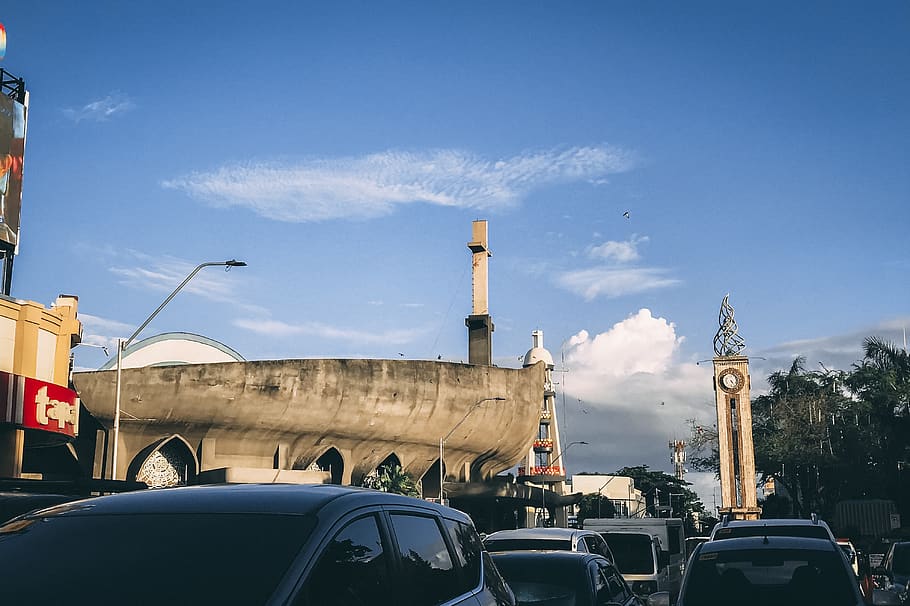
[
  {"x": 769, "y": 542},
  {"x": 539, "y": 533},
  {"x": 291, "y": 499},
  {"x": 554, "y": 558},
  {"x": 776, "y": 522}
]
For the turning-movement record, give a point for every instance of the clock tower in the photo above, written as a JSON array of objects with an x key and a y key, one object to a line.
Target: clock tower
[{"x": 734, "y": 420}]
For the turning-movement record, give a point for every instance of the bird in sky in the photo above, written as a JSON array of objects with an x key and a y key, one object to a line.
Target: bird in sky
[{"x": 626, "y": 214}]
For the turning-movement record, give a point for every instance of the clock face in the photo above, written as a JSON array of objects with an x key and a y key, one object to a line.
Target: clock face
[{"x": 731, "y": 380}]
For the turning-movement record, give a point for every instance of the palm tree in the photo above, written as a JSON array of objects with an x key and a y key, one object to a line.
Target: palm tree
[{"x": 392, "y": 479}]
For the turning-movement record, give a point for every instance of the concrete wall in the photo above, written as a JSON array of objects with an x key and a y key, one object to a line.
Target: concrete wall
[{"x": 247, "y": 414}]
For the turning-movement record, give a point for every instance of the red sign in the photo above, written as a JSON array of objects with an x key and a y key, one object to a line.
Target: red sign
[{"x": 35, "y": 404}]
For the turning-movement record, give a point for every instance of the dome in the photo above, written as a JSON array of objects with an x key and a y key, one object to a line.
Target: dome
[{"x": 538, "y": 354}]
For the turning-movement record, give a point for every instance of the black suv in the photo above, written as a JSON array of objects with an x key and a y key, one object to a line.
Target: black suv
[{"x": 313, "y": 545}]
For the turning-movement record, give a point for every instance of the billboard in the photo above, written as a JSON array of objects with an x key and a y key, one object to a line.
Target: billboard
[{"x": 12, "y": 153}]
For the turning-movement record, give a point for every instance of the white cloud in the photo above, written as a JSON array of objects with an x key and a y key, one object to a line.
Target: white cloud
[
  {"x": 629, "y": 393},
  {"x": 275, "y": 328},
  {"x": 614, "y": 282},
  {"x": 164, "y": 274},
  {"x": 376, "y": 184},
  {"x": 100, "y": 109},
  {"x": 620, "y": 252}
]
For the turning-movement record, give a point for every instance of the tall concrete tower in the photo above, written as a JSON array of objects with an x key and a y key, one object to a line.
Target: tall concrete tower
[
  {"x": 479, "y": 323},
  {"x": 544, "y": 464},
  {"x": 734, "y": 420}
]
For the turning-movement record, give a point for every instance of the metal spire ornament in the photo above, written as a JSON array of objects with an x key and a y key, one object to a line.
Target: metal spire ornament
[{"x": 727, "y": 341}]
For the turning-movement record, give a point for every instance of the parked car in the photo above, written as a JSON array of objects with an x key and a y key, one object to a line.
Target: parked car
[
  {"x": 315, "y": 545},
  {"x": 895, "y": 567},
  {"x": 785, "y": 527},
  {"x": 561, "y": 539},
  {"x": 776, "y": 570},
  {"x": 14, "y": 503},
  {"x": 564, "y": 578}
]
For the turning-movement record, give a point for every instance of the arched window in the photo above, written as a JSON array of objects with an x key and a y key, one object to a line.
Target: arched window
[{"x": 165, "y": 463}]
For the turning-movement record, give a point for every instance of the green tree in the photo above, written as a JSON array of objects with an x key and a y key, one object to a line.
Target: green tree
[
  {"x": 664, "y": 493},
  {"x": 392, "y": 479},
  {"x": 593, "y": 505}
]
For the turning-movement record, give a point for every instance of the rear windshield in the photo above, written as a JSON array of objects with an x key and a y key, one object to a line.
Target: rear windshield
[
  {"x": 526, "y": 544},
  {"x": 633, "y": 552},
  {"x": 809, "y": 532},
  {"x": 148, "y": 559},
  {"x": 769, "y": 576}
]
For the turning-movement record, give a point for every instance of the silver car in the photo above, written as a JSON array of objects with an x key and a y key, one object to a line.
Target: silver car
[{"x": 558, "y": 539}]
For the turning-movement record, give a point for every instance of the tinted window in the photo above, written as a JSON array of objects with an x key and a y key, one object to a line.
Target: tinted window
[
  {"x": 793, "y": 576},
  {"x": 428, "y": 572},
  {"x": 148, "y": 558},
  {"x": 617, "y": 588},
  {"x": 901, "y": 559},
  {"x": 597, "y": 545},
  {"x": 467, "y": 552},
  {"x": 526, "y": 544},
  {"x": 673, "y": 534},
  {"x": 633, "y": 552},
  {"x": 352, "y": 569},
  {"x": 494, "y": 582}
]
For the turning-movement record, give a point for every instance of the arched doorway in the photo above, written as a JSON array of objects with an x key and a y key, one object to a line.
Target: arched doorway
[
  {"x": 332, "y": 462},
  {"x": 165, "y": 463}
]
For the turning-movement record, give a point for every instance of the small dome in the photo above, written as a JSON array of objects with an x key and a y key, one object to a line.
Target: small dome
[{"x": 538, "y": 354}]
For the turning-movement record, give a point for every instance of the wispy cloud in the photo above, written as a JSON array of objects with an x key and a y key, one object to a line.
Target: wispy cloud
[
  {"x": 275, "y": 328},
  {"x": 614, "y": 282},
  {"x": 163, "y": 274},
  {"x": 100, "y": 109},
  {"x": 377, "y": 184},
  {"x": 620, "y": 252}
]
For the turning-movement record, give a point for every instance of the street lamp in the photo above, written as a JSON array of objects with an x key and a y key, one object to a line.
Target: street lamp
[
  {"x": 442, "y": 440},
  {"x": 123, "y": 344},
  {"x": 543, "y": 493}
]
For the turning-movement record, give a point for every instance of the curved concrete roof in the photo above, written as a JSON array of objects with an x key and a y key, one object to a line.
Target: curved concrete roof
[
  {"x": 172, "y": 348},
  {"x": 242, "y": 413}
]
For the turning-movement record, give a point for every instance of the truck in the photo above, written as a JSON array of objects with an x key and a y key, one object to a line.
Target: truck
[{"x": 670, "y": 539}]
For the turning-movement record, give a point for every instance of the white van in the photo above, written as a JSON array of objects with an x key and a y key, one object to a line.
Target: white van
[
  {"x": 671, "y": 543},
  {"x": 641, "y": 562}
]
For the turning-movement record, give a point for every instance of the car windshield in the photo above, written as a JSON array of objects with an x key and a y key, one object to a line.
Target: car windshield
[
  {"x": 148, "y": 558},
  {"x": 526, "y": 544},
  {"x": 768, "y": 576},
  {"x": 808, "y": 532},
  {"x": 633, "y": 552}
]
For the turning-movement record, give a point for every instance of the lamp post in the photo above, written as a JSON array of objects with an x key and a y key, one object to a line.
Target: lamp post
[
  {"x": 442, "y": 440},
  {"x": 124, "y": 343},
  {"x": 543, "y": 493}
]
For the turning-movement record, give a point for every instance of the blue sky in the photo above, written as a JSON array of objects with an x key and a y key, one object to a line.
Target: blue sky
[{"x": 343, "y": 149}]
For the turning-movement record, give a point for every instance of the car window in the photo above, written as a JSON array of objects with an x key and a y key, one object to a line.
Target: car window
[
  {"x": 796, "y": 576},
  {"x": 634, "y": 552},
  {"x": 467, "y": 547},
  {"x": 241, "y": 557},
  {"x": 495, "y": 583},
  {"x": 597, "y": 545},
  {"x": 617, "y": 588},
  {"x": 427, "y": 569},
  {"x": 900, "y": 562},
  {"x": 353, "y": 569},
  {"x": 582, "y": 545}
]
